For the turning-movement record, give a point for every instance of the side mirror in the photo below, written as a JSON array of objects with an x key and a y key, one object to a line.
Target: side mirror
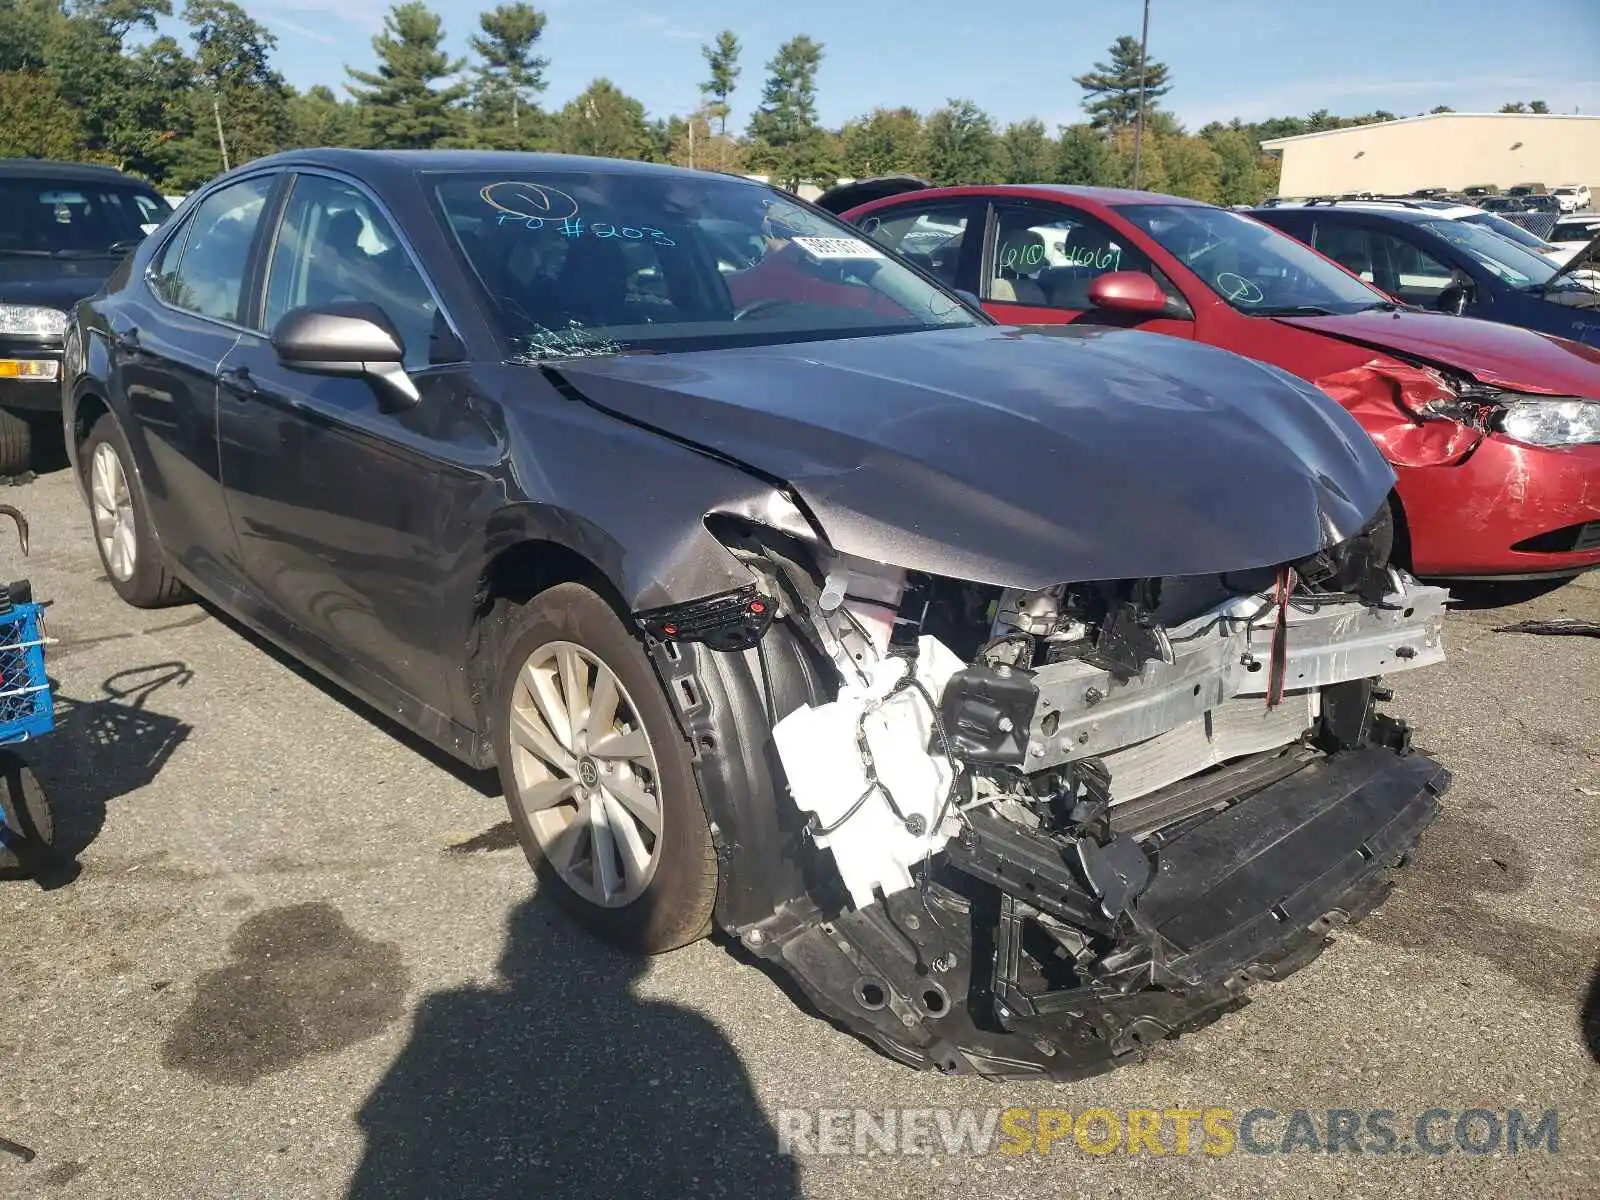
[
  {"x": 355, "y": 339},
  {"x": 1128, "y": 292},
  {"x": 968, "y": 297}
]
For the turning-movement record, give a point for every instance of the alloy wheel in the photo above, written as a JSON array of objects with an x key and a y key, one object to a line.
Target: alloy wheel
[
  {"x": 585, "y": 774},
  {"x": 112, "y": 503}
]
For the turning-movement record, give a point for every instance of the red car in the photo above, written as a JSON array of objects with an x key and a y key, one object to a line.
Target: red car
[{"x": 1493, "y": 431}]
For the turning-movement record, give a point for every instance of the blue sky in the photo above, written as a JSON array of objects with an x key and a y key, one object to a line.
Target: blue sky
[{"x": 1251, "y": 58}]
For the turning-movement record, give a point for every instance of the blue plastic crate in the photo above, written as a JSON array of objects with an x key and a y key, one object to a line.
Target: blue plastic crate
[{"x": 27, "y": 709}]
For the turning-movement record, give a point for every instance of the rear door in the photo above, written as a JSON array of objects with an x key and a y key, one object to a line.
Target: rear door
[
  {"x": 353, "y": 515},
  {"x": 1040, "y": 259},
  {"x": 168, "y": 338}
]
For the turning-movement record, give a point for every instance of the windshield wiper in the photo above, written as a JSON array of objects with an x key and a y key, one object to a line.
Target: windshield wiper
[{"x": 1295, "y": 310}]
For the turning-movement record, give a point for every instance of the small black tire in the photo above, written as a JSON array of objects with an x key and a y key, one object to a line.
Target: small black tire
[
  {"x": 23, "y": 811},
  {"x": 675, "y": 907},
  {"x": 151, "y": 584},
  {"x": 16, "y": 443}
]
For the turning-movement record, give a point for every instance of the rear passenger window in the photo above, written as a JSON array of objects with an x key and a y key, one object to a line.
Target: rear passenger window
[{"x": 209, "y": 277}]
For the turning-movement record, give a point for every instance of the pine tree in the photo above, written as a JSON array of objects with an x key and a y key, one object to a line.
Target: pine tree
[
  {"x": 723, "y": 61},
  {"x": 510, "y": 76},
  {"x": 1112, "y": 101},
  {"x": 400, "y": 101},
  {"x": 789, "y": 144},
  {"x": 241, "y": 110}
]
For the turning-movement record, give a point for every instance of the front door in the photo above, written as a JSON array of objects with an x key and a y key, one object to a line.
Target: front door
[
  {"x": 352, "y": 513},
  {"x": 1041, "y": 259}
]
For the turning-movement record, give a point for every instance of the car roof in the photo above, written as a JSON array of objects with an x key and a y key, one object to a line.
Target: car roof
[
  {"x": 1360, "y": 208},
  {"x": 46, "y": 168},
  {"x": 1109, "y": 196},
  {"x": 394, "y": 163}
]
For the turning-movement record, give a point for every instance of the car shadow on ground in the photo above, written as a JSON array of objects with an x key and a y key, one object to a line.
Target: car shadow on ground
[
  {"x": 104, "y": 747},
  {"x": 560, "y": 1080},
  {"x": 486, "y": 782},
  {"x": 1474, "y": 596}
]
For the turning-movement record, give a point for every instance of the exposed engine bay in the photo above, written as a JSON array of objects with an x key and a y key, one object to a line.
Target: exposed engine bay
[{"x": 1067, "y": 822}]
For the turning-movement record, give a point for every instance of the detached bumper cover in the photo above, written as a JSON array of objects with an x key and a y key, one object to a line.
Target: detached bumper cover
[{"x": 930, "y": 974}]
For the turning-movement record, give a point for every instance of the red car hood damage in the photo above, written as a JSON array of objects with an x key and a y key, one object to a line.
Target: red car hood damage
[{"x": 1502, "y": 355}]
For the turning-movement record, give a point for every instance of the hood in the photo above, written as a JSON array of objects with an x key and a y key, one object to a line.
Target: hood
[
  {"x": 1021, "y": 457},
  {"x": 53, "y": 282},
  {"x": 1503, "y": 355}
]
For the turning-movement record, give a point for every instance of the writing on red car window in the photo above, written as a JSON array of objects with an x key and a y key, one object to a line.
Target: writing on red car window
[
  {"x": 533, "y": 200},
  {"x": 574, "y": 227}
]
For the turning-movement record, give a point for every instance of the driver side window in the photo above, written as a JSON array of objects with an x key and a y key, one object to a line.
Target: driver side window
[
  {"x": 1047, "y": 258},
  {"x": 335, "y": 245}
]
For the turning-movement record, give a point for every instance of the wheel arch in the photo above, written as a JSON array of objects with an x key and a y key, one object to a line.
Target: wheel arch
[{"x": 725, "y": 704}]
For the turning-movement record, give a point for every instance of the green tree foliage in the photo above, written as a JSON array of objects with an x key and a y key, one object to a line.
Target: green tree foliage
[
  {"x": 722, "y": 60},
  {"x": 34, "y": 120},
  {"x": 604, "y": 120},
  {"x": 1191, "y": 166},
  {"x": 1239, "y": 175},
  {"x": 404, "y": 103},
  {"x": 787, "y": 142},
  {"x": 1026, "y": 155},
  {"x": 1084, "y": 158},
  {"x": 509, "y": 77},
  {"x": 1112, "y": 88},
  {"x": 240, "y": 106},
  {"x": 887, "y": 141},
  {"x": 960, "y": 145},
  {"x": 317, "y": 117}
]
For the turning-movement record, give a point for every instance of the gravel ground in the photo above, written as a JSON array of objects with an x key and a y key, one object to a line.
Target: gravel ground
[{"x": 303, "y": 960}]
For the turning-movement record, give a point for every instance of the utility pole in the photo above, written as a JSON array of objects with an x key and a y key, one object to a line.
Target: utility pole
[
  {"x": 691, "y": 141},
  {"x": 1138, "y": 128},
  {"x": 222, "y": 142}
]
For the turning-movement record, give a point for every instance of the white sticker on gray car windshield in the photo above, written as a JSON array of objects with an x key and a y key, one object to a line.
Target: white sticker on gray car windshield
[{"x": 835, "y": 247}]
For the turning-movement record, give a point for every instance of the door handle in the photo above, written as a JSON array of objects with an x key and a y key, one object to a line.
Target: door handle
[{"x": 239, "y": 381}]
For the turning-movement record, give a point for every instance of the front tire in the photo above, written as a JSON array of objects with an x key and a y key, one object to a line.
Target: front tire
[
  {"x": 124, "y": 535},
  {"x": 597, "y": 775},
  {"x": 16, "y": 443}
]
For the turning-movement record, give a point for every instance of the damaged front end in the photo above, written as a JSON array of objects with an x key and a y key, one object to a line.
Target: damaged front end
[{"x": 1045, "y": 828}]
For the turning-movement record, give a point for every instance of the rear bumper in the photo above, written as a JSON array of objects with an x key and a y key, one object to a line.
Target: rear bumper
[
  {"x": 1248, "y": 893},
  {"x": 1508, "y": 510}
]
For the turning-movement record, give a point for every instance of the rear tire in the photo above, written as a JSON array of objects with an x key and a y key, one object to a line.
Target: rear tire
[
  {"x": 119, "y": 513},
  {"x": 556, "y": 795},
  {"x": 16, "y": 443}
]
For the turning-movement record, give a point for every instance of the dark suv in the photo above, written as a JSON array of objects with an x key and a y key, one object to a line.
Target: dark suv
[
  {"x": 64, "y": 227},
  {"x": 1424, "y": 258}
]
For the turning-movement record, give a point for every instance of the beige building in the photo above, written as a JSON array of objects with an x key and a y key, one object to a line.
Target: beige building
[{"x": 1448, "y": 150}]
